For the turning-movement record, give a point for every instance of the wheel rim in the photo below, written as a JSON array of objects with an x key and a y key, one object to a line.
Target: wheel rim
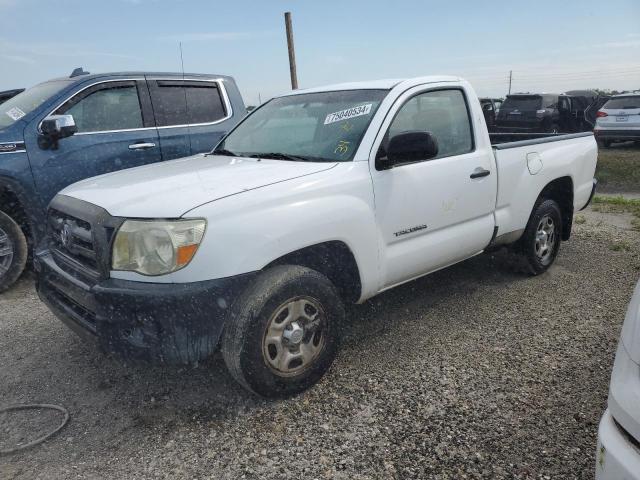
[
  {"x": 6, "y": 252},
  {"x": 294, "y": 337},
  {"x": 545, "y": 239}
]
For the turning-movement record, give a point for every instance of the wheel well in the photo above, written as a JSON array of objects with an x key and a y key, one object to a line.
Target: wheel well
[
  {"x": 11, "y": 205},
  {"x": 561, "y": 190},
  {"x": 334, "y": 260}
]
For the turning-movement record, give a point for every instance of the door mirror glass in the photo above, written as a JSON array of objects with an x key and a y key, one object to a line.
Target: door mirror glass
[
  {"x": 56, "y": 127},
  {"x": 407, "y": 147},
  {"x": 487, "y": 107}
]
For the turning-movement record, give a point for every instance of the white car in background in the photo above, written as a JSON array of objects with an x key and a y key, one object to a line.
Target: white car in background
[
  {"x": 618, "y": 454},
  {"x": 619, "y": 119}
]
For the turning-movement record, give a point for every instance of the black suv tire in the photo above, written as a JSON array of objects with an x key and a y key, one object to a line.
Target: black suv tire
[{"x": 14, "y": 245}]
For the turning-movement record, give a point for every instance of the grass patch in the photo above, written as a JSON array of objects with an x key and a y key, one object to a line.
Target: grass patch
[
  {"x": 620, "y": 246},
  {"x": 619, "y": 205},
  {"x": 618, "y": 168},
  {"x": 579, "y": 219}
]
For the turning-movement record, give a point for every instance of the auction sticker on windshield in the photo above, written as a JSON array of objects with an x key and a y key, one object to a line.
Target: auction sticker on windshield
[
  {"x": 15, "y": 113},
  {"x": 348, "y": 113}
]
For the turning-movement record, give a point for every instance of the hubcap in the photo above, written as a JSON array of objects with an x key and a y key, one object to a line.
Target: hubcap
[
  {"x": 6, "y": 252},
  {"x": 545, "y": 239},
  {"x": 294, "y": 336}
]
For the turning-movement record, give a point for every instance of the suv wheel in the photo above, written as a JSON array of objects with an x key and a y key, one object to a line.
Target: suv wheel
[
  {"x": 282, "y": 333},
  {"x": 13, "y": 251},
  {"x": 541, "y": 239}
]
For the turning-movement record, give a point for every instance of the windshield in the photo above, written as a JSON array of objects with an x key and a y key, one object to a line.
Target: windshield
[
  {"x": 623, "y": 102},
  {"x": 24, "y": 103},
  {"x": 324, "y": 126}
]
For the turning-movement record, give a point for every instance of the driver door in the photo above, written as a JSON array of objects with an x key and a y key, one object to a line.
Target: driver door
[{"x": 432, "y": 213}]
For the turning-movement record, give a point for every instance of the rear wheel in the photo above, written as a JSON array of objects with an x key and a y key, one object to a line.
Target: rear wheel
[
  {"x": 541, "y": 239},
  {"x": 13, "y": 251},
  {"x": 282, "y": 333}
]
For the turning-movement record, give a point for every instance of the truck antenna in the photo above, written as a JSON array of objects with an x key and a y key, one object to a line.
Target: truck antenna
[{"x": 186, "y": 104}]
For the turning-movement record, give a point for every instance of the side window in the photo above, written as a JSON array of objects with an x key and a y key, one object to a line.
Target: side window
[
  {"x": 106, "y": 107},
  {"x": 204, "y": 103},
  {"x": 186, "y": 103},
  {"x": 551, "y": 102},
  {"x": 444, "y": 114}
]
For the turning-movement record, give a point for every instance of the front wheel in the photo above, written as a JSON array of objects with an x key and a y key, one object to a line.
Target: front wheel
[
  {"x": 282, "y": 333},
  {"x": 541, "y": 239},
  {"x": 13, "y": 251}
]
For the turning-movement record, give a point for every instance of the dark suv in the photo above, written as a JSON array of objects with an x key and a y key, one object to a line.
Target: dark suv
[
  {"x": 529, "y": 113},
  {"x": 548, "y": 112},
  {"x": 68, "y": 129}
]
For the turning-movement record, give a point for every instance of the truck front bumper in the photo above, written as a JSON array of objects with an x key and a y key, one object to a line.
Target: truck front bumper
[{"x": 158, "y": 322}]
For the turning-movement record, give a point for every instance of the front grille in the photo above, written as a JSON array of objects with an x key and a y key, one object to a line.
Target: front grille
[
  {"x": 73, "y": 238},
  {"x": 82, "y": 314}
]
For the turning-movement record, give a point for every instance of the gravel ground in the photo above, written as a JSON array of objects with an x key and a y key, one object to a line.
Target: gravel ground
[{"x": 477, "y": 371}]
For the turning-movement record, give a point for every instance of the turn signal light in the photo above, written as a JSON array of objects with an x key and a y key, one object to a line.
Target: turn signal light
[{"x": 601, "y": 114}]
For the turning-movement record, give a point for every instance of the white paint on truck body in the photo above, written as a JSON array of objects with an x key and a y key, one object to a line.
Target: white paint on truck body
[{"x": 258, "y": 211}]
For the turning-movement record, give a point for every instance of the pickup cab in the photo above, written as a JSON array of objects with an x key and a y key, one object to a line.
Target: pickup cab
[
  {"x": 318, "y": 198},
  {"x": 68, "y": 129}
]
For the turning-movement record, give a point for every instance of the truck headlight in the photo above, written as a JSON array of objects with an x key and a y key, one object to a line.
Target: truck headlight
[{"x": 156, "y": 247}]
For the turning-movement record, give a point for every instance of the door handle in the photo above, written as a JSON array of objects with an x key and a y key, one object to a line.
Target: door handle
[
  {"x": 479, "y": 173},
  {"x": 141, "y": 146}
]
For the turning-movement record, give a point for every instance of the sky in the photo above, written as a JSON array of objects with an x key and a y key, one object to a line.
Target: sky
[{"x": 550, "y": 46}]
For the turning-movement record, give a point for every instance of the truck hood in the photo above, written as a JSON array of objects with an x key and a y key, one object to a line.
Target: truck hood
[{"x": 170, "y": 189}]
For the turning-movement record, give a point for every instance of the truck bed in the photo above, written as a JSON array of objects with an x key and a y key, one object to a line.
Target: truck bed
[{"x": 526, "y": 163}]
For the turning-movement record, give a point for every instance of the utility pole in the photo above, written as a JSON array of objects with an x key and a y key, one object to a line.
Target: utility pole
[
  {"x": 292, "y": 53},
  {"x": 510, "y": 76}
]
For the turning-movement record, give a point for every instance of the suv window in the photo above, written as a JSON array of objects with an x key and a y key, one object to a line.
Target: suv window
[
  {"x": 105, "y": 107},
  {"x": 550, "y": 101},
  {"x": 444, "y": 113},
  {"x": 186, "y": 103},
  {"x": 623, "y": 102}
]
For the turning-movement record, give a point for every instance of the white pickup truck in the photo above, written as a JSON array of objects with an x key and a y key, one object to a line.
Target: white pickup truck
[{"x": 318, "y": 198}]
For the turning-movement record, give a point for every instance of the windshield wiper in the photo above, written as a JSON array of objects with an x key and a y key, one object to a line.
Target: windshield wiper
[
  {"x": 280, "y": 156},
  {"x": 222, "y": 151}
]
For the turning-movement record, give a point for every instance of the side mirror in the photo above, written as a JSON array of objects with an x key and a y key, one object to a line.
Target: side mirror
[
  {"x": 54, "y": 128},
  {"x": 407, "y": 147},
  {"x": 487, "y": 107}
]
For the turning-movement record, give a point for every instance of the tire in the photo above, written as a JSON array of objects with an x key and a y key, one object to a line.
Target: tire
[
  {"x": 13, "y": 251},
  {"x": 555, "y": 129},
  {"x": 286, "y": 308},
  {"x": 540, "y": 242}
]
